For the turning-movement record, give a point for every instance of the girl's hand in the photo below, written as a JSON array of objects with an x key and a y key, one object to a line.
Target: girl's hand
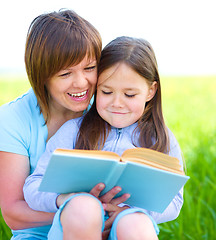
[
  {"x": 108, "y": 197},
  {"x": 110, "y": 204},
  {"x": 113, "y": 211},
  {"x": 62, "y": 198}
]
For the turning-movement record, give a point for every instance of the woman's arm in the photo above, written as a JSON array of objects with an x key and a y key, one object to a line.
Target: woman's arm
[{"x": 14, "y": 169}]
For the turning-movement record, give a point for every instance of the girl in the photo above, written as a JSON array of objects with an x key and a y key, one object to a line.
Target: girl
[{"x": 127, "y": 113}]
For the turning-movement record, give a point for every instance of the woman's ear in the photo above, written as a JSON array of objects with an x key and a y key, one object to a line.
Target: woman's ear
[{"x": 152, "y": 91}]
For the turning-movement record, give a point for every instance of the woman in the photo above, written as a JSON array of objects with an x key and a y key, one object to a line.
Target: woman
[{"x": 61, "y": 57}]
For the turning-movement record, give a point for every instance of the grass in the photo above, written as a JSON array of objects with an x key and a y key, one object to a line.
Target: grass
[
  {"x": 12, "y": 87},
  {"x": 189, "y": 110}
]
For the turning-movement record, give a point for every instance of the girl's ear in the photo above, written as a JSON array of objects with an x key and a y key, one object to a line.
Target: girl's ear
[{"x": 152, "y": 91}]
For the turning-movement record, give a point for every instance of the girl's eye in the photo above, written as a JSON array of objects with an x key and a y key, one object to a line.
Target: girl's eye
[
  {"x": 104, "y": 92},
  {"x": 129, "y": 95}
]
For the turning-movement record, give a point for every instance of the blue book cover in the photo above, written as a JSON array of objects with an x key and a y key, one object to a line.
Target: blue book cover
[{"x": 152, "y": 178}]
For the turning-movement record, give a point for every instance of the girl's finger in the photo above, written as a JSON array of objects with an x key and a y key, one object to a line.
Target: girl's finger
[
  {"x": 121, "y": 199},
  {"x": 108, "y": 196},
  {"x": 96, "y": 190},
  {"x": 110, "y": 207}
]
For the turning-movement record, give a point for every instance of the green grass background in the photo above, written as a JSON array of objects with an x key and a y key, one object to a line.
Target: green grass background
[{"x": 189, "y": 109}]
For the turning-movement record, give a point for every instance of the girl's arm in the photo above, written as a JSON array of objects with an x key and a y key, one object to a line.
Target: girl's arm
[
  {"x": 50, "y": 202},
  {"x": 14, "y": 169},
  {"x": 46, "y": 201},
  {"x": 174, "y": 208}
]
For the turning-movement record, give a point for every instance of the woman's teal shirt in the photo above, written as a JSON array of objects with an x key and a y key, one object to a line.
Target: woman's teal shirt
[{"x": 23, "y": 131}]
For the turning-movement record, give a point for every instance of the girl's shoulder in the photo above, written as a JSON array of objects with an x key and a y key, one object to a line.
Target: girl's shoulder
[
  {"x": 66, "y": 135},
  {"x": 72, "y": 123},
  {"x": 69, "y": 129},
  {"x": 175, "y": 150},
  {"x": 172, "y": 139}
]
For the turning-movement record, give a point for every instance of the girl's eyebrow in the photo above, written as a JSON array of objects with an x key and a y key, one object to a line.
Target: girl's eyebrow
[
  {"x": 104, "y": 86},
  {"x": 131, "y": 89},
  {"x": 125, "y": 89}
]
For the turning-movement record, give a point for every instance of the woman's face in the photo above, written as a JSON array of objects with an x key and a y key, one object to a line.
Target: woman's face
[{"x": 71, "y": 89}]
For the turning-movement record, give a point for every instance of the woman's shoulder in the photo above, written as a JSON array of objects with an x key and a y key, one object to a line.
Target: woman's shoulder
[
  {"x": 21, "y": 106},
  {"x": 18, "y": 120},
  {"x": 20, "y": 115}
]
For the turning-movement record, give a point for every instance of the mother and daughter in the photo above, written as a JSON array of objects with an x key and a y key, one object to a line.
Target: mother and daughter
[{"x": 63, "y": 61}]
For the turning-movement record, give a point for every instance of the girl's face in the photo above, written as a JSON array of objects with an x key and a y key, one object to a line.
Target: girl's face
[
  {"x": 122, "y": 94},
  {"x": 71, "y": 89}
]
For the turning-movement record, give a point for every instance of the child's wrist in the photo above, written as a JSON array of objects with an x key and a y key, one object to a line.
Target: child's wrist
[{"x": 61, "y": 198}]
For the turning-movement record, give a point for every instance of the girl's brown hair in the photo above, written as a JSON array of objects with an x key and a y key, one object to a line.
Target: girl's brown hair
[
  {"x": 56, "y": 41},
  {"x": 139, "y": 55}
]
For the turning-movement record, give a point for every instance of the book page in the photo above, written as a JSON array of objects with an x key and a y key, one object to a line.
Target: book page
[
  {"x": 91, "y": 153},
  {"x": 152, "y": 158},
  {"x": 152, "y": 164}
]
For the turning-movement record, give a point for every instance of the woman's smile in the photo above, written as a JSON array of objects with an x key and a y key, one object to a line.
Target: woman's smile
[{"x": 80, "y": 96}]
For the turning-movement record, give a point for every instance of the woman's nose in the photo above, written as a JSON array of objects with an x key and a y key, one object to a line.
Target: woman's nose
[{"x": 79, "y": 80}]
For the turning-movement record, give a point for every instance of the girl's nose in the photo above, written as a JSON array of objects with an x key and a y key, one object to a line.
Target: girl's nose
[{"x": 117, "y": 101}]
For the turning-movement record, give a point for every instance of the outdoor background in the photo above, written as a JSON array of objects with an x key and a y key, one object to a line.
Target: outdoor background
[{"x": 183, "y": 37}]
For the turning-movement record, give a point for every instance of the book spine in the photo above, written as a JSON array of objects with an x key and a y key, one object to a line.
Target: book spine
[{"x": 114, "y": 176}]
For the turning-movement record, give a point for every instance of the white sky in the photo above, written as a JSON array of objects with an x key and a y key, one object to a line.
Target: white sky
[{"x": 182, "y": 32}]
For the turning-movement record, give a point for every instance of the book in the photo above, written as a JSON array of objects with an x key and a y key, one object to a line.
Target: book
[{"x": 150, "y": 177}]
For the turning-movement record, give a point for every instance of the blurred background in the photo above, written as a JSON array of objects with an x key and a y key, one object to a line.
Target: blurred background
[
  {"x": 182, "y": 33},
  {"x": 183, "y": 36}
]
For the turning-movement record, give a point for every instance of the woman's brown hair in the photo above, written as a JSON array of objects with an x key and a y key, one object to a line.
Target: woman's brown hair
[
  {"x": 56, "y": 41},
  {"x": 139, "y": 55}
]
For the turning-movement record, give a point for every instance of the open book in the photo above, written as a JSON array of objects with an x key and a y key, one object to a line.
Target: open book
[{"x": 152, "y": 178}]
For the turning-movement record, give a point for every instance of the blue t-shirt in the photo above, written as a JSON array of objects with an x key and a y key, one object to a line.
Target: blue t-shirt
[{"x": 23, "y": 131}]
